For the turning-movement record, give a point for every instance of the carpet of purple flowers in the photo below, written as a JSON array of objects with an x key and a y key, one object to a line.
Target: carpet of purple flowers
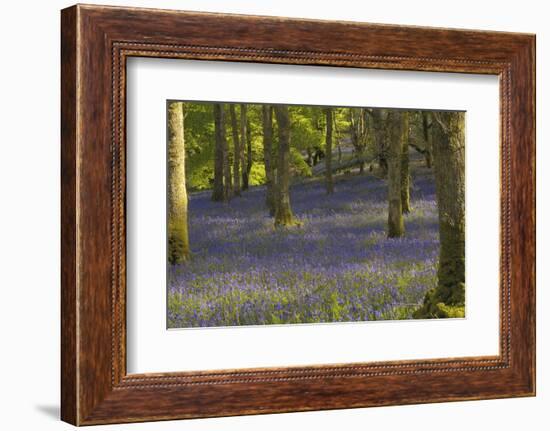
[{"x": 338, "y": 266}]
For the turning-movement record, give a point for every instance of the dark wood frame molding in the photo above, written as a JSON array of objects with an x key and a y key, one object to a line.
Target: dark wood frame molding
[{"x": 95, "y": 43}]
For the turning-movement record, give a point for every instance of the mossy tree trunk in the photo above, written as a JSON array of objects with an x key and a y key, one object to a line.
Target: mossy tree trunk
[
  {"x": 218, "y": 193},
  {"x": 405, "y": 177},
  {"x": 396, "y": 225},
  {"x": 267, "y": 125},
  {"x": 236, "y": 151},
  {"x": 244, "y": 133},
  {"x": 448, "y": 130},
  {"x": 329, "y": 185},
  {"x": 283, "y": 211},
  {"x": 178, "y": 236}
]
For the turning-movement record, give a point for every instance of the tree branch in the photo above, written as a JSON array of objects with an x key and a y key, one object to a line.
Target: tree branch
[
  {"x": 417, "y": 148},
  {"x": 437, "y": 118}
]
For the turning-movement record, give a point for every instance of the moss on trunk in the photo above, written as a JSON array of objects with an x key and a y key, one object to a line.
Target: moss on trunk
[
  {"x": 283, "y": 210},
  {"x": 178, "y": 236},
  {"x": 448, "y": 153}
]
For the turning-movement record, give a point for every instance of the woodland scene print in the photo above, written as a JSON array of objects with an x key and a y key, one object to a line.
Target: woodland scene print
[{"x": 286, "y": 214}]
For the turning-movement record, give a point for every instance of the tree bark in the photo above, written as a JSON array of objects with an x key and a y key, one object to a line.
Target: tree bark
[
  {"x": 248, "y": 151},
  {"x": 405, "y": 176},
  {"x": 244, "y": 132},
  {"x": 448, "y": 130},
  {"x": 309, "y": 159},
  {"x": 228, "y": 179},
  {"x": 218, "y": 194},
  {"x": 178, "y": 236},
  {"x": 358, "y": 132},
  {"x": 427, "y": 138},
  {"x": 267, "y": 125},
  {"x": 396, "y": 225},
  {"x": 317, "y": 155},
  {"x": 379, "y": 120},
  {"x": 283, "y": 211},
  {"x": 236, "y": 151},
  {"x": 338, "y": 136},
  {"x": 328, "y": 152}
]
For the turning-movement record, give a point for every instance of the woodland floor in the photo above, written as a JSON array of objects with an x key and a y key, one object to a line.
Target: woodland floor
[{"x": 337, "y": 266}]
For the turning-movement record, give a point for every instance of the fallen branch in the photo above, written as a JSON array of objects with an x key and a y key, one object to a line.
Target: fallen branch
[{"x": 348, "y": 164}]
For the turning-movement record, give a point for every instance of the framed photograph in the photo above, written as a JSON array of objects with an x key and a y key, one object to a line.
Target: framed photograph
[{"x": 265, "y": 215}]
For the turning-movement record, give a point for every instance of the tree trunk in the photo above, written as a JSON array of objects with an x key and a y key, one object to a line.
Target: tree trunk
[
  {"x": 405, "y": 176},
  {"x": 178, "y": 236},
  {"x": 218, "y": 194},
  {"x": 228, "y": 179},
  {"x": 283, "y": 211},
  {"x": 309, "y": 159},
  {"x": 379, "y": 117},
  {"x": 396, "y": 226},
  {"x": 236, "y": 151},
  {"x": 317, "y": 157},
  {"x": 248, "y": 151},
  {"x": 328, "y": 152},
  {"x": 427, "y": 138},
  {"x": 358, "y": 133},
  {"x": 353, "y": 134},
  {"x": 448, "y": 130},
  {"x": 267, "y": 123},
  {"x": 244, "y": 124},
  {"x": 338, "y": 137}
]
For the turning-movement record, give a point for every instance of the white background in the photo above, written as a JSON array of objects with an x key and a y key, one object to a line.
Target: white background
[
  {"x": 29, "y": 216},
  {"x": 151, "y": 348}
]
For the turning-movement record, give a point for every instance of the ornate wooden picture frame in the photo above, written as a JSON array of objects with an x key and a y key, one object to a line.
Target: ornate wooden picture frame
[{"x": 96, "y": 41}]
